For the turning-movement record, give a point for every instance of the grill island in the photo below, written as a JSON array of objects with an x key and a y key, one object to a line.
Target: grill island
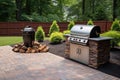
[{"x": 84, "y": 45}]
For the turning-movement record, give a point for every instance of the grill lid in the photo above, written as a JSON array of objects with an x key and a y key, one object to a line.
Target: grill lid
[
  {"x": 85, "y": 30},
  {"x": 28, "y": 29},
  {"x": 80, "y": 34}
]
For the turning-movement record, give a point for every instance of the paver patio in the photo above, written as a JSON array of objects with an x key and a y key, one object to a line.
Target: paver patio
[{"x": 44, "y": 66}]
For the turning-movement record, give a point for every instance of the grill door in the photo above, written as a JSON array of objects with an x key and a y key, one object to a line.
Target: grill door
[{"x": 79, "y": 53}]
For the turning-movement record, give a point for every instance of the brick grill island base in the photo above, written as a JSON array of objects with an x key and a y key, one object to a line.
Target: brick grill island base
[{"x": 99, "y": 51}]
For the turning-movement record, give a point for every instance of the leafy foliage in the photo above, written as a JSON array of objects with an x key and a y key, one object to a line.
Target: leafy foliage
[
  {"x": 56, "y": 37},
  {"x": 70, "y": 25},
  {"x": 90, "y": 9},
  {"x": 7, "y": 10},
  {"x": 59, "y": 10},
  {"x": 40, "y": 34},
  {"x": 100, "y": 14},
  {"x": 54, "y": 28},
  {"x": 116, "y": 25},
  {"x": 115, "y": 36},
  {"x": 74, "y": 12},
  {"x": 90, "y": 22}
]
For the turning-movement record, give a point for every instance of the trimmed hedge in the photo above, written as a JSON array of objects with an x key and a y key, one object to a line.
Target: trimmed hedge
[
  {"x": 40, "y": 34},
  {"x": 56, "y": 37}
]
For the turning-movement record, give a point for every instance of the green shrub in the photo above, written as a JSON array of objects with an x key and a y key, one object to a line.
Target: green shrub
[
  {"x": 66, "y": 32},
  {"x": 118, "y": 44},
  {"x": 115, "y": 25},
  {"x": 90, "y": 22},
  {"x": 54, "y": 28},
  {"x": 115, "y": 35},
  {"x": 70, "y": 25},
  {"x": 40, "y": 34},
  {"x": 56, "y": 37}
]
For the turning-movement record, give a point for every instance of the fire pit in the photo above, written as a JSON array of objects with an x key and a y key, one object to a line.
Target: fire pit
[
  {"x": 84, "y": 45},
  {"x": 29, "y": 45}
]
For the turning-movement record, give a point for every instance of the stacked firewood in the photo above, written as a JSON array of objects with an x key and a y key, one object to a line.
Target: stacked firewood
[{"x": 37, "y": 47}]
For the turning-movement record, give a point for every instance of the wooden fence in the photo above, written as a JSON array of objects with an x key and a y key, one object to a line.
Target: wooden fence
[{"x": 14, "y": 28}]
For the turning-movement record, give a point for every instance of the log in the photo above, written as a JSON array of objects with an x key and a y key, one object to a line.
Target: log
[
  {"x": 45, "y": 49},
  {"x": 42, "y": 47},
  {"x": 16, "y": 49},
  {"x": 22, "y": 51},
  {"x": 33, "y": 51},
  {"x": 37, "y": 47}
]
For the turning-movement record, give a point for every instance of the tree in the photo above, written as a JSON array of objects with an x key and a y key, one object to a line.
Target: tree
[
  {"x": 116, "y": 25},
  {"x": 116, "y": 9},
  {"x": 83, "y": 7},
  {"x": 90, "y": 22},
  {"x": 7, "y": 10},
  {"x": 74, "y": 12},
  {"x": 70, "y": 25},
  {"x": 59, "y": 10},
  {"x": 18, "y": 9},
  {"x": 90, "y": 9},
  {"x": 54, "y": 28},
  {"x": 100, "y": 14},
  {"x": 40, "y": 34}
]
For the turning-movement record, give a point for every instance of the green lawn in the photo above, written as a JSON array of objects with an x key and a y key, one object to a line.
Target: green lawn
[{"x": 9, "y": 40}]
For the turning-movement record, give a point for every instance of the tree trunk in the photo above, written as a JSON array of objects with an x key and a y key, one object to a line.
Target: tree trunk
[
  {"x": 114, "y": 9},
  {"x": 18, "y": 11},
  {"x": 83, "y": 7},
  {"x": 93, "y": 6},
  {"x": 28, "y": 7}
]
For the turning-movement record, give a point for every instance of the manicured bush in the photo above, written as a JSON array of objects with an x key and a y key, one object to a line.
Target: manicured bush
[
  {"x": 66, "y": 32},
  {"x": 70, "y": 25},
  {"x": 116, "y": 25},
  {"x": 90, "y": 22},
  {"x": 40, "y": 34},
  {"x": 115, "y": 35},
  {"x": 54, "y": 28},
  {"x": 56, "y": 37}
]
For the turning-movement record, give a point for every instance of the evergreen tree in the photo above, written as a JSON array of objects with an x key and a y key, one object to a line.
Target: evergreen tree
[
  {"x": 40, "y": 34},
  {"x": 54, "y": 28},
  {"x": 70, "y": 25}
]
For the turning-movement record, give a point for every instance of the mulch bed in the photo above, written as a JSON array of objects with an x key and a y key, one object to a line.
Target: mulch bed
[{"x": 57, "y": 49}]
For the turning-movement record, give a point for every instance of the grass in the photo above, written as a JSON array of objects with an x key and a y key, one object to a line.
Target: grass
[{"x": 9, "y": 40}]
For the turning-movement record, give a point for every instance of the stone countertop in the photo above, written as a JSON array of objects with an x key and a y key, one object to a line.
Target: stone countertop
[{"x": 100, "y": 38}]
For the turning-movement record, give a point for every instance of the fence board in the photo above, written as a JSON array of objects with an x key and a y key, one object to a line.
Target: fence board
[{"x": 14, "y": 28}]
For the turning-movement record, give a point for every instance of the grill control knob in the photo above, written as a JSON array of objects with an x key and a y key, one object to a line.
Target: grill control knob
[
  {"x": 79, "y": 40},
  {"x": 84, "y": 41}
]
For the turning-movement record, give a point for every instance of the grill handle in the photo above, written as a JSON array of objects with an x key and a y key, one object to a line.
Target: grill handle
[{"x": 78, "y": 51}]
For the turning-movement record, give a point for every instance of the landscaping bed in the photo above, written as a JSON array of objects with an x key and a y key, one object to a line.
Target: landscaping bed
[{"x": 57, "y": 49}]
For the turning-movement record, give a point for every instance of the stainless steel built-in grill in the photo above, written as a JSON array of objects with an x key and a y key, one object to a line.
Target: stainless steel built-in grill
[
  {"x": 78, "y": 38},
  {"x": 85, "y": 45},
  {"x": 80, "y": 34}
]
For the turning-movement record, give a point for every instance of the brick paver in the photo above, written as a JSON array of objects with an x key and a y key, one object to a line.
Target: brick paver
[{"x": 44, "y": 66}]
